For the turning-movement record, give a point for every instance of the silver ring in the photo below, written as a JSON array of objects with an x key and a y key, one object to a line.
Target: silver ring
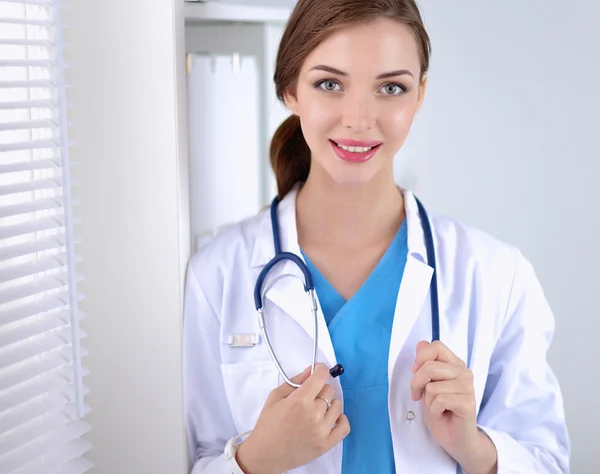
[{"x": 326, "y": 401}]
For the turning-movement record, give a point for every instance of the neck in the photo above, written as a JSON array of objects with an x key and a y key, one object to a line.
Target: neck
[{"x": 350, "y": 217}]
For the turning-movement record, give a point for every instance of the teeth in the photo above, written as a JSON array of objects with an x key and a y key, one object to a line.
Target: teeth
[{"x": 355, "y": 149}]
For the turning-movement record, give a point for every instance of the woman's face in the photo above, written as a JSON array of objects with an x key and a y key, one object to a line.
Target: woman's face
[{"x": 359, "y": 88}]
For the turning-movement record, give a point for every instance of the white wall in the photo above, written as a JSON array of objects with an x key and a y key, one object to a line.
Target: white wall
[
  {"x": 507, "y": 141},
  {"x": 134, "y": 228}
]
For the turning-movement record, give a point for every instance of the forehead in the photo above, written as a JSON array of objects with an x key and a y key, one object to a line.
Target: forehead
[{"x": 377, "y": 46}]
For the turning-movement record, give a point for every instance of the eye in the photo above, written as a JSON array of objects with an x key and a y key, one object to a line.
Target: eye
[
  {"x": 328, "y": 85},
  {"x": 393, "y": 89}
]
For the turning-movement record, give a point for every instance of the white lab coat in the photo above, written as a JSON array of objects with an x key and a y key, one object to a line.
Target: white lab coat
[{"x": 493, "y": 315}]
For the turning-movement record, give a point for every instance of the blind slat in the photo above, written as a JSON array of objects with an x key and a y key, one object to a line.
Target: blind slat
[
  {"x": 31, "y": 309},
  {"x": 29, "y": 165},
  {"x": 27, "y": 84},
  {"x": 20, "y": 250},
  {"x": 26, "y": 42},
  {"x": 56, "y": 452},
  {"x": 53, "y": 262},
  {"x": 27, "y": 104},
  {"x": 35, "y": 185},
  {"x": 34, "y": 368},
  {"x": 27, "y": 124},
  {"x": 37, "y": 225},
  {"x": 25, "y": 21},
  {"x": 31, "y": 145},
  {"x": 55, "y": 203},
  {"x": 46, "y": 342},
  {"x": 48, "y": 446},
  {"x": 51, "y": 402},
  {"x": 45, "y": 383},
  {"x": 40, "y": 285},
  {"x": 34, "y": 429},
  {"x": 26, "y": 62}
]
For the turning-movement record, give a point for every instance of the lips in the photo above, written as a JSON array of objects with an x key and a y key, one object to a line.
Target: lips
[{"x": 352, "y": 156}]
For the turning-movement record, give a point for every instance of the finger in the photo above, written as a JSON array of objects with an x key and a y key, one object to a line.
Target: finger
[
  {"x": 432, "y": 371},
  {"x": 460, "y": 405},
  {"x": 341, "y": 430},
  {"x": 327, "y": 392},
  {"x": 313, "y": 384},
  {"x": 285, "y": 389},
  {"x": 421, "y": 345},
  {"x": 332, "y": 415},
  {"x": 435, "y": 351},
  {"x": 450, "y": 387}
]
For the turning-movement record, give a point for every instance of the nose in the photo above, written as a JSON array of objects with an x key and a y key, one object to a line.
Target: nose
[{"x": 358, "y": 112}]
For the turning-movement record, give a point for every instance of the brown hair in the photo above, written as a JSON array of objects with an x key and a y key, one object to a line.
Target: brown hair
[{"x": 309, "y": 24}]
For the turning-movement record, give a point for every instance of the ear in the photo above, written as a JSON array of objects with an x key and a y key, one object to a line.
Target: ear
[
  {"x": 422, "y": 89},
  {"x": 290, "y": 102}
]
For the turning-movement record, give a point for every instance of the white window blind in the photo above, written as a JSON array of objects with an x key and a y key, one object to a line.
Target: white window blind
[{"x": 41, "y": 389}]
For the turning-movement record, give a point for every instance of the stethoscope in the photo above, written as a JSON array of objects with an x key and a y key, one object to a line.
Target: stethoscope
[{"x": 309, "y": 287}]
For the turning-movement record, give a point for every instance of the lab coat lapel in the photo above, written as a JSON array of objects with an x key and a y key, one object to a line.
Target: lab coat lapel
[
  {"x": 414, "y": 289},
  {"x": 415, "y": 284},
  {"x": 289, "y": 295},
  {"x": 285, "y": 281}
]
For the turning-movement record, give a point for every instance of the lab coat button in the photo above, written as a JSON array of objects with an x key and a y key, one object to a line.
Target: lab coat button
[{"x": 410, "y": 415}]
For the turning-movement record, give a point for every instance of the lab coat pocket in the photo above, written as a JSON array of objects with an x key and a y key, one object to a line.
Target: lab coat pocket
[{"x": 247, "y": 386}]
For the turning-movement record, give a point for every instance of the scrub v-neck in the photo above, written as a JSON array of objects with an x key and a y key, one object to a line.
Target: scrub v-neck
[{"x": 360, "y": 329}]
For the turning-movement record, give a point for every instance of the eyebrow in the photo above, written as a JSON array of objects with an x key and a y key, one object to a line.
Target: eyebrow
[{"x": 385, "y": 75}]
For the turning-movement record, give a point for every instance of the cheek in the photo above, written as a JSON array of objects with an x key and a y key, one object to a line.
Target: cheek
[
  {"x": 318, "y": 117},
  {"x": 396, "y": 122}
]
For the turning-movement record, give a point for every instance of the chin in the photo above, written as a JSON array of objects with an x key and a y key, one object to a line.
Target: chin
[{"x": 346, "y": 174}]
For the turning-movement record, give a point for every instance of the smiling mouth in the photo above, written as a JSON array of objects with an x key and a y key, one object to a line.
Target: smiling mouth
[
  {"x": 355, "y": 149},
  {"x": 354, "y": 154}
]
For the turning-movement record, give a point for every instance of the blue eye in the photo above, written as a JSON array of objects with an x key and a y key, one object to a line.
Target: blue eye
[
  {"x": 393, "y": 89},
  {"x": 327, "y": 85}
]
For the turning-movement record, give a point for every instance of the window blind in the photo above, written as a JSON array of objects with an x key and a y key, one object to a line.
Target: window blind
[{"x": 41, "y": 390}]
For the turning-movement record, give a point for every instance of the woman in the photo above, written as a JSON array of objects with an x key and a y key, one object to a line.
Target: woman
[{"x": 482, "y": 399}]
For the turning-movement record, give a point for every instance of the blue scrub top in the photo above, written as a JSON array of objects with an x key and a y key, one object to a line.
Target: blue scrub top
[{"x": 360, "y": 330}]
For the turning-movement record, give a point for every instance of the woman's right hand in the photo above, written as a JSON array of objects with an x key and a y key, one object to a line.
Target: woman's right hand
[{"x": 294, "y": 426}]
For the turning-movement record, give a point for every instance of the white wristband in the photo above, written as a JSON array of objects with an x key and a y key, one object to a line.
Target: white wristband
[{"x": 231, "y": 449}]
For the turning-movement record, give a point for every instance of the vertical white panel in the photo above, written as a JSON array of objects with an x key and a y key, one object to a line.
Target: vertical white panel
[
  {"x": 123, "y": 57},
  {"x": 224, "y": 141}
]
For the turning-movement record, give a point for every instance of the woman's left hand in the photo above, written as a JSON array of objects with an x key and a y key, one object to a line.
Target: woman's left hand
[{"x": 444, "y": 384}]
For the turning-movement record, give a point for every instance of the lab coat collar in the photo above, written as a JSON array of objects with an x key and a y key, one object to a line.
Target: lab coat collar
[{"x": 264, "y": 249}]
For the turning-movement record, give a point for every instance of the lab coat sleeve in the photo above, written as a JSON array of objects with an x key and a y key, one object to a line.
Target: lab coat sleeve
[
  {"x": 207, "y": 417},
  {"x": 522, "y": 405}
]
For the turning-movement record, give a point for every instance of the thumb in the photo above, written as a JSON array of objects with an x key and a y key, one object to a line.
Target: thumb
[{"x": 285, "y": 389}]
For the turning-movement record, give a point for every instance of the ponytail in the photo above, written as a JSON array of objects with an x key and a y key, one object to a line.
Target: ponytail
[{"x": 290, "y": 155}]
